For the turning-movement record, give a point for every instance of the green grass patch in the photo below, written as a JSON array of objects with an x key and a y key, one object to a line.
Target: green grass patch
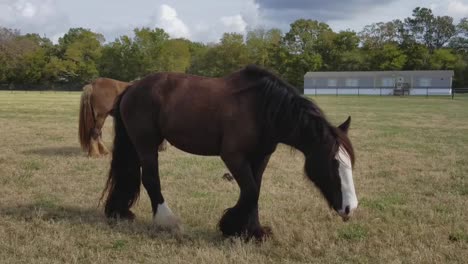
[
  {"x": 119, "y": 244},
  {"x": 384, "y": 202},
  {"x": 353, "y": 232}
]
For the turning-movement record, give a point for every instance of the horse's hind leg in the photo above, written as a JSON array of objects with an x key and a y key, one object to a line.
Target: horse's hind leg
[
  {"x": 162, "y": 215},
  {"x": 146, "y": 145},
  {"x": 97, "y": 147},
  {"x": 100, "y": 119},
  {"x": 94, "y": 145}
]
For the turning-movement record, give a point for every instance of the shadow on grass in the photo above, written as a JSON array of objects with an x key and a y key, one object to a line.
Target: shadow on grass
[
  {"x": 56, "y": 151},
  {"x": 75, "y": 216}
]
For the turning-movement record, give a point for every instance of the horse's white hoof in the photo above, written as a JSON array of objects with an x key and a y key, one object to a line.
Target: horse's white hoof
[{"x": 166, "y": 220}]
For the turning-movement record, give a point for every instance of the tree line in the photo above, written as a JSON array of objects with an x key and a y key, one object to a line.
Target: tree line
[{"x": 423, "y": 41}]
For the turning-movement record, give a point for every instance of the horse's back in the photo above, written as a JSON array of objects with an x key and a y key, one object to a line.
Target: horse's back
[
  {"x": 105, "y": 90},
  {"x": 193, "y": 113}
]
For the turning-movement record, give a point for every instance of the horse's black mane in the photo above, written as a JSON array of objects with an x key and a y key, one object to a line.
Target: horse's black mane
[
  {"x": 279, "y": 104},
  {"x": 285, "y": 112}
]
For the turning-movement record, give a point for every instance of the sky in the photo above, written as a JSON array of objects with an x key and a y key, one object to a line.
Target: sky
[{"x": 206, "y": 20}]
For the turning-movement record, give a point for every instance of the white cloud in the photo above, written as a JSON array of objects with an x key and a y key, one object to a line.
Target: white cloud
[
  {"x": 457, "y": 8},
  {"x": 26, "y": 9},
  {"x": 32, "y": 16},
  {"x": 168, "y": 20},
  {"x": 31, "y": 10},
  {"x": 205, "y": 20},
  {"x": 234, "y": 23}
]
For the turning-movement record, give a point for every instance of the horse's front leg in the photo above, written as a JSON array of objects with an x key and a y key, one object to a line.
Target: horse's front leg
[
  {"x": 258, "y": 166},
  {"x": 242, "y": 219}
]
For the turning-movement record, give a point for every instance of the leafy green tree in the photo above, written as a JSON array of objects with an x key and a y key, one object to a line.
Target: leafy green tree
[
  {"x": 418, "y": 57},
  {"x": 22, "y": 57},
  {"x": 175, "y": 55},
  {"x": 432, "y": 31},
  {"x": 79, "y": 50},
  {"x": 389, "y": 57},
  {"x": 9, "y": 53},
  {"x": 353, "y": 60},
  {"x": 259, "y": 43},
  {"x": 199, "y": 59},
  {"x": 31, "y": 64},
  {"x": 226, "y": 57},
  {"x": 460, "y": 41},
  {"x": 342, "y": 46},
  {"x": 306, "y": 43},
  {"x": 377, "y": 34},
  {"x": 121, "y": 60},
  {"x": 148, "y": 45},
  {"x": 129, "y": 59},
  {"x": 443, "y": 59}
]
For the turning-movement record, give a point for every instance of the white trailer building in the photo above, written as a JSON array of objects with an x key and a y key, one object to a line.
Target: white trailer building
[{"x": 379, "y": 83}]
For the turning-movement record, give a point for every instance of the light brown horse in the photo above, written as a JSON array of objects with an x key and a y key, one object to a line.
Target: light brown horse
[{"x": 96, "y": 104}]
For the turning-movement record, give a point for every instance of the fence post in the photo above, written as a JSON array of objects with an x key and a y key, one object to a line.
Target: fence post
[
  {"x": 337, "y": 91},
  {"x": 427, "y": 91},
  {"x": 452, "y": 93}
]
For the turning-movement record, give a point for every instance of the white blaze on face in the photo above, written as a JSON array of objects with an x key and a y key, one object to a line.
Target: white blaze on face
[
  {"x": 165, "y": 219},
  {"x": 347, "y": 185}
]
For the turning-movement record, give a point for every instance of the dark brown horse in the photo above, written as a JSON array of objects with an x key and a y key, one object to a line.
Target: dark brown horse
[
  {"x": 97, "y": 101},
  {"x": 241, "y": 118}
]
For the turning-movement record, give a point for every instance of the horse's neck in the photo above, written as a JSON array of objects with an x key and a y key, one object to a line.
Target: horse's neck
[{"x": 306, "y": 136}]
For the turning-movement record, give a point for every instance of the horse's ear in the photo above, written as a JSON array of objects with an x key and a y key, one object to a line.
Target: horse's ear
[{"x": 345, "y": 126}]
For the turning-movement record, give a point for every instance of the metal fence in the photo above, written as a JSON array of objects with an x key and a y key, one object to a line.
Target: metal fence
[
  {"x": 460, "y": 91},
  {"x": 379, "y": 91},
  {"x": 385, "y": 91},
  {"x": 42, "y": 87}
]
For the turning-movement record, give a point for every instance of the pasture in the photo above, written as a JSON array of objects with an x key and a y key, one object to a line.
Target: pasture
[{"x": 411, "y": 179}]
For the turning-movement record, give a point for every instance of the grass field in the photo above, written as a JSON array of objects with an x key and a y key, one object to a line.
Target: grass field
[{"x": 411, "y": 179}]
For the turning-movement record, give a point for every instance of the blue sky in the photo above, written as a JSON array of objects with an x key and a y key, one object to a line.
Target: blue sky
[{"x": 206, "y": 20}]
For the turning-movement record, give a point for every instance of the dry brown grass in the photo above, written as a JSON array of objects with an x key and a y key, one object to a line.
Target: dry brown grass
[{"x": 410, "y": 175}]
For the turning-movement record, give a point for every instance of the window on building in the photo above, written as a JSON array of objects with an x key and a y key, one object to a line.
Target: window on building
[
  {"x": 424, "y": 82},
  {"x": 332, "y": 82},
  {"x": 352, "y": 82},
  {"x": 388, "y": 82}
]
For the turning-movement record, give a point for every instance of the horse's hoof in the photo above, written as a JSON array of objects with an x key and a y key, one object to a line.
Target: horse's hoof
[
  {"x": 126, "y": 215},
  {"x": 262, "y": 233},
  {"x": 232, "y": 223},
  {"x": 94, "y": 155},
  {"x": 170, "y": 223}
]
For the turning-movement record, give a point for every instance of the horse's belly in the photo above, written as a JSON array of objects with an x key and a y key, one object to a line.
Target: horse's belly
[{"x": 206, "y": 144}]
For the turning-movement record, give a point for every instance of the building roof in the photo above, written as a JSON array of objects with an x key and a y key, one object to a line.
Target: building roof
[{"x": 376, "y": 73}]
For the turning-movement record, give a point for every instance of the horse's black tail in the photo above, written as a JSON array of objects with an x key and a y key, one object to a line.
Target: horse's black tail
[{"x": 124, "y": 180}]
